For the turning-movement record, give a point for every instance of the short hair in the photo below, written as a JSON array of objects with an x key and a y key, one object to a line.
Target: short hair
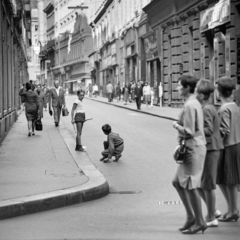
[
  {"x": 205, "y": 87},
  {"x": 30, "y": 81},
  {"x": 28, "y": 86},
  {"x": 106, "y": 128},
  {"x": 225, "y": 86},
  {"x": 80, "y": 91},
  {"x": 188, "y": 80}
]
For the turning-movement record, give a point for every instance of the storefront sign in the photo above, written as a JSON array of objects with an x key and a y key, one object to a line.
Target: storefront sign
[
  {"x": 238, "y": 60},
  {"x": 215, "y": 16},
  {"x": 227, "y": 54},
  {"x": 150, "y": 44},
  {"x": 202, "y": 52}
]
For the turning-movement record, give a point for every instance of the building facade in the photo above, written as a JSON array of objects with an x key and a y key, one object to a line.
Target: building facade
[
  {"x": 197, "y": 37},
  {"x": 14, "y": 41},
  {"x": 69, "y": 42},
  {"x": 116, "y": 49}
]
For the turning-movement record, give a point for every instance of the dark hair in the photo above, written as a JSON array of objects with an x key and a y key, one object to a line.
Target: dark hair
[
  {"x": 28, "y": 86},
  {"x": 30, "y": 81},
  {"x": 80, "y": 91},
  {"x": 106, "y": 128},
  {"x": 225, "y": 86},
  {"x": 205, "y": 87},
  {"x": 188, "y": 80}
]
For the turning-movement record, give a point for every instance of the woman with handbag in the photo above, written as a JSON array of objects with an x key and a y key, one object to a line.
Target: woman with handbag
[
  {"x": 79, "y": 118},
  {"x": 188, "y": 176},
  {"x": 31, "y": 107}
]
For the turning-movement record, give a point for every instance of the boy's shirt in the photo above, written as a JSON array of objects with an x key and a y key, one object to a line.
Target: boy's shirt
[{"x": 114, "y": 140}]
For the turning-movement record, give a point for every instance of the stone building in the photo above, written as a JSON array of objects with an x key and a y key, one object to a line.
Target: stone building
[
  {"x": 69, "y": 42},
  {"x": 15, "y": 35},
  {"x": 116, "y": 48},
  {"x": 199, "y": 37}
]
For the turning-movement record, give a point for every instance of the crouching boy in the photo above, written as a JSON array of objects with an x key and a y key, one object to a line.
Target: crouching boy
[{"x": 113, "y": 146}]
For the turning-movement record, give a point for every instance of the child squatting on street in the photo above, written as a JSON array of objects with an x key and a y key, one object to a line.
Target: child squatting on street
[{"x": 113, "y": 146}]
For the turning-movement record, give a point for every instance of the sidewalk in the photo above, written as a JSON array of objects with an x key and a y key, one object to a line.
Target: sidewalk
[
  {"x": 44, "y": 171},
  {"x": 162, "y": 112}
]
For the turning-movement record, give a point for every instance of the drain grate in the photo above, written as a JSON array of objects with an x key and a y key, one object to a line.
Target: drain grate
[
  {"x": 170, "y": 203},
  {"x": 125, "y": 192}
]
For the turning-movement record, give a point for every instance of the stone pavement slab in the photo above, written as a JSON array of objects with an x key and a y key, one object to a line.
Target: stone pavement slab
[
  {"x": 42, "y": 172},
  {"x": 157, "y": 111}
]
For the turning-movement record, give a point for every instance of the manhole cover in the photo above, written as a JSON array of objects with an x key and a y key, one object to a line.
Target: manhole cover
[
  {"x": 125, "y": 192},
  {"x": 170, "y": 203}
]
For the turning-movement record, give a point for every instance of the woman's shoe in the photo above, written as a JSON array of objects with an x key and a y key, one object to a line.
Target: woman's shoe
[
  {"x": 106, "y": 161},
  {"x": 33, "y": 133},
  {"x": 194, "y": 231},
  {"x": 213, "y": 223},
  {"x": 234, "y": 217},
  {"x": 101, "y": 159},
  {"x": 187, "y": 225},
  {"x": 218, "y": 214},
  {"x": 29, "y": 134}
]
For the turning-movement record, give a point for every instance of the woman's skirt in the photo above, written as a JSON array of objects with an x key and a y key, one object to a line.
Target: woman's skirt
[
  {"x": 79, "y": 117},
  {"x": 126, "y": 96},
  {"x": 189, "y": 173},
  {"x": 228, "y": 171},
  {"x": 209, "y": 176},
  {"x": 147, "y": 98},
  {"x": 31, "y": 112}
]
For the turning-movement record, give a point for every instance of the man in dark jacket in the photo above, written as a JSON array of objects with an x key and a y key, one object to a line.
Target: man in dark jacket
[{"x": 138, "y": 94}]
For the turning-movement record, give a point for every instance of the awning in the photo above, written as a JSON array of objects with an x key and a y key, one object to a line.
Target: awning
[{"x": 69, "y": 81}]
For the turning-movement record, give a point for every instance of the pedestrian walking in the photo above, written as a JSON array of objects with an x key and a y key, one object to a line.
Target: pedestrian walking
[
  {"x": 204, "y": 90},
  {"x": 95, "y": 90},
  {"x": 188, "y": 176},
  {"x": 118, "y": 92},
  {"x": 78, "y": 118},
  {"x": 90, "y": 89},
  {"x": 228, "y": 175},
  {"x": 31, "y": 107},
  {"x": 138, "y": 95},
  {"x": 147, "y": 94},
  {"x": 46, "y": 96},
  {"x": 22, "y": 97},
  {"x": 109, "y": 91},
  {"x": 56, "y": 99},
  {"x": 32, "y": 85},
  {"x": 41, "y": 100},
  {"x": 125, "y": 93},
  {"x": 132, "y": 91},
  {"x": 152, "y": 97},
  {"x": 113, "y": 146}
]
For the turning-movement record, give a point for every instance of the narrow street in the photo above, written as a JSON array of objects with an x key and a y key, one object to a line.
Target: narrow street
[{"x": 142, "y": 203}]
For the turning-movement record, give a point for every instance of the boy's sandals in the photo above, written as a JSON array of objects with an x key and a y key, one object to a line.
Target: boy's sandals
[{"x": 117, "y": 158}]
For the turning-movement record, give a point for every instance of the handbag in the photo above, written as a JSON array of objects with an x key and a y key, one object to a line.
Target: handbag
[
  {"x": 38, "y": 125},
  {"x": 179, "y": 153},
  {"x": 65, "y": 112}
]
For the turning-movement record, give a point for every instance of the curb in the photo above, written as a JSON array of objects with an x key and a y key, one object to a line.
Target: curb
[
  {"x": 96, "y": 187},
  {"x": 135, "y": 110}
]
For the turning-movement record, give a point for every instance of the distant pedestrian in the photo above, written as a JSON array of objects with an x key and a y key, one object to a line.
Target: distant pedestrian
[
  {"x": 41, "y": 100},
  {"x": 188, "y": 177},
  {"x": 22, "y": 97},
  {"x": 32, "y": 85},
  {"x": 204, "y": 90},
  {"x": 152, "y": 97},
  {"x": 125, "y": 93},
  {"x": 228, "y": 176},
  {"x": 95, "y": 90},
  {"x": 132, "y": 91},
  {"x": 90, "y": 89},
  {"x": 57, "y": 101},
  {"x": 31, "y": 107},
  {"x": 109, "y": 91},
  {"x": 147, "y": 94},
  {"x": 78, "y": 118},
  {"x": 113, "y": 146},
  {"x": 118, "y": 92},
  {"x": 138, "y": 94},
  {"x": 46, "y": 96}
]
